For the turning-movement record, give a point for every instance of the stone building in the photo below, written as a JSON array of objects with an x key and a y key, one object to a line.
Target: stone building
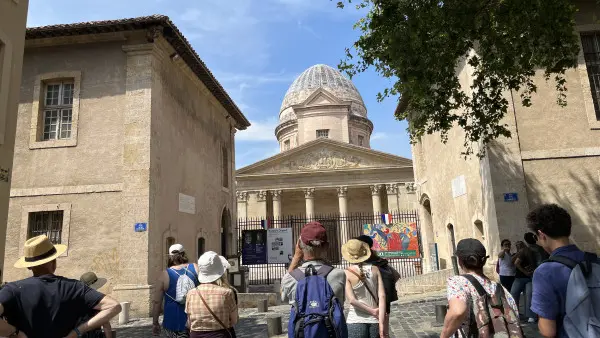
[
  {"x": 125, "y": 145},
  {"x": 13, "y": 16},
  {"x": 326, "y": 164},
  {"x": 553, "y": 156}
]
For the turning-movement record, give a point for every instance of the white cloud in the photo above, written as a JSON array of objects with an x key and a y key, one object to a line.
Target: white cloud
[
  {"x": 379, "y": 136},
  {"x": 259, "y": 131}
]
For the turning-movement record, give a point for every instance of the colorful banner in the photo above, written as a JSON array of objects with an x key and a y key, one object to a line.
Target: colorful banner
[{"x": 394, "y": 240}]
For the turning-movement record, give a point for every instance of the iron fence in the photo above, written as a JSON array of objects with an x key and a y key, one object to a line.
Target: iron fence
[{"x": 339, "y": 227}]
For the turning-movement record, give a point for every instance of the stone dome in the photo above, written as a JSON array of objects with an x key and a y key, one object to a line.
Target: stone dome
[{"x": 321, "y": 76}]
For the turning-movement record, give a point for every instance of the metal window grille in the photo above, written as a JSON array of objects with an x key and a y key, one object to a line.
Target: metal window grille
[
  {"x": 323, "y": 133},
  {"x": 58, "y": 111},
  {"x": 591, "y": 51},
  {"x": 47, "y": 223}
]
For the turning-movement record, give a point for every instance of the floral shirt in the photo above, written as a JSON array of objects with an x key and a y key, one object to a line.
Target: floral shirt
[{"x": 460, "y": 288}]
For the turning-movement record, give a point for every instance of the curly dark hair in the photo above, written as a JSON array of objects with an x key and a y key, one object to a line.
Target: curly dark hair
[
  {"x": 177, "y": 258},
  {"x": 550, "y": 219},
  {"x": 530, "y": 238},
  {"x": 504, "y": 241}
]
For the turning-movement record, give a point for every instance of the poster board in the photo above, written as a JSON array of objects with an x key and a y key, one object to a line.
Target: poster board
[
  {"x": 279, "y": 246},
  {"x": 254, "y": 247},
  {"x": 396, "y": 240}
]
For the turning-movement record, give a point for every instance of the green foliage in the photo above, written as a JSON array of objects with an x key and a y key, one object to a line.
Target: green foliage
[{"x": 422, "y": 43}]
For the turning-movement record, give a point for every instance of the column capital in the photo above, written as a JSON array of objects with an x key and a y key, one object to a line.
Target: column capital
[
  {"x": 242, "y": 196},
  {"x": 261, "y": 195},
  {"x": 342, "y": 191},
  {"x": 309, "y": 193},
  {"x": 276, "y": 194},
  {"x": 375, "y": 189},
  {"x": 392, "y": 189},
  {"x": 411, "y": 188}
]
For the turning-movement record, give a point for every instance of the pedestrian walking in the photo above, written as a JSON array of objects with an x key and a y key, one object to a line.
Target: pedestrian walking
[
  {"x": 365, "y": 292},
  {"x": 316, "y": 282},
  {"x": 47, "y": 305},
  {"x": 91, "y": 280},
  {"x": 506, "y": 268},
  {"x": 389, "y": 276},
  {"x": 172, "y": 287},
  {"x": 474, "y": 299},
  {"x": 524, "y": 261},
  {"x": 211, "y": 307},
  {"x": 563, "y": 281}
]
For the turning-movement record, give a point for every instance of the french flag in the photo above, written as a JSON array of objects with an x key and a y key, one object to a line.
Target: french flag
[
  {"x": 386, "y": 218},
  {"x": 264, "y": 223}
]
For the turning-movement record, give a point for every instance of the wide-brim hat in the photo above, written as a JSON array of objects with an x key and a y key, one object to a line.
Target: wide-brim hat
[
  {"x": 38, "y": 251},
  {"x": 355, "y": 251},
  {"x": 91, "y": 280},
  {"x": 210, "y": 267}
]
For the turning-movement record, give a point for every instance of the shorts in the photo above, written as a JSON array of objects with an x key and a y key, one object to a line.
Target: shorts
[
  {"x": 175, "y": 334},
  {"x": 363, "y": 330}
]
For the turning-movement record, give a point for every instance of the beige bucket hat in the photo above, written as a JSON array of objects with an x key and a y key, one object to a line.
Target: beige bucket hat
[
  {"x": 39, "y": 250},
  {"x": 355, "y": 251}
]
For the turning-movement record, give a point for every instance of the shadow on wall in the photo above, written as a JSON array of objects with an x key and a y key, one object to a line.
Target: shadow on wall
[{"x": 572, "y": 183}]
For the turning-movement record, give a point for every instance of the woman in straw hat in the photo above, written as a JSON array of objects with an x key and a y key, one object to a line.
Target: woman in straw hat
[
  {"x": 211, "y": 307},
  {"x": 364, "y": 291}
]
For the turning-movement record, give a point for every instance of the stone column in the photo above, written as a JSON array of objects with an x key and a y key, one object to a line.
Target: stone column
[
  {"x": 276, "y": 195},
  {"x": 309, "y": 197},
  {"x": 392, "y": 197},
  {"x": 375, "y": 191},
  {"x": 242, "y": 204},
  {"x": 343, "y": 205},
  {"x": 261, "y": 201}
]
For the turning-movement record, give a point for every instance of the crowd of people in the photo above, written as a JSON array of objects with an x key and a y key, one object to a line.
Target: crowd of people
[{"x": 559, "y": 280}]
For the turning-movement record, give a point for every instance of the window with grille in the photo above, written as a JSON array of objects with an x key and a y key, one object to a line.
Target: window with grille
[
  {"x": 286, "y": 145},
  {"x": 361, "y": 140},
  {"x": 322, "y": 133},
  {"x": 58, "y": 110},
  {"x": 225, "y": 167},
  {"x": 201, "y": 243},
  {"x": 591, "y": 51},
  {"x": 49, "y": 223}
]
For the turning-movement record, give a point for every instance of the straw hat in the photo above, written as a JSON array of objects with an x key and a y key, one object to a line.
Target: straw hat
[
  {"x": 91, "y": 280},
  {"x": 355, "y": 251},
  {"x": 210, "y": 267},
  {"x": 38, "y": 251}
]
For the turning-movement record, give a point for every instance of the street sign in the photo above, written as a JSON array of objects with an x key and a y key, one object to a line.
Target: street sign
[
  {"x": 140, "y": 227},
  {"x": 511, "y": 197}
]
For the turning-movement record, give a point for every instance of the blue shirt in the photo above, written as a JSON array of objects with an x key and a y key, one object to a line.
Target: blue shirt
[
  {"x": 174, "y": 313},
  {"x": 550, "y": 287}
]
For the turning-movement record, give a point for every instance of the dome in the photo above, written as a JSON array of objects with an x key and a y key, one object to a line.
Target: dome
[{"x": 321, "y": 76}]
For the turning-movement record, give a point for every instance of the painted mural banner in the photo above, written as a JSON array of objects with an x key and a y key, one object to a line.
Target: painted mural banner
[{"x": 395, "y": 240}]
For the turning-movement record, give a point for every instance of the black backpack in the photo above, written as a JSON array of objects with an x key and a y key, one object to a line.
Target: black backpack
[{"x": 389, "y": 280}]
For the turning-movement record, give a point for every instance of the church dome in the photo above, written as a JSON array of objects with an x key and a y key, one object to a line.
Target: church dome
[{"x": 321, "y": 76}]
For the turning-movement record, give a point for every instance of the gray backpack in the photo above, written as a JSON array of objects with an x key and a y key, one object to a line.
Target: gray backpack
[{"x": 582, "y": 306}]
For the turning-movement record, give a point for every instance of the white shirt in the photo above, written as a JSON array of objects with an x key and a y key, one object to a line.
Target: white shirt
[{"x": 506, "y": 266}]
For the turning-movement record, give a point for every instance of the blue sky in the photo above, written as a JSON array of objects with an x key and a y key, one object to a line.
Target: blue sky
[{"x": 255, "y": 48}]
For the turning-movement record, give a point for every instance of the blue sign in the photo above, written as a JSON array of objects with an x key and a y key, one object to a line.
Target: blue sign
[
  {"x": 140, "y": 227},
  {"x": 254, "y": 247},
  {"x": 511, "y": 197}
]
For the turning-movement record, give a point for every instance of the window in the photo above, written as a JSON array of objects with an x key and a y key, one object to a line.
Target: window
[
  {"x": 323, "y": 133},
  {"x": 49, "y": 223},
  {"x": 286, "y": 145},
  {"x": 200, "y": 246},
  {"x": 361, "y": 140},
  {"x": 168, "y": 242},
  {"x": 591, "y": 52},
  {"x": 58, "y": 111},
  {"x": 225, "y": 167}
]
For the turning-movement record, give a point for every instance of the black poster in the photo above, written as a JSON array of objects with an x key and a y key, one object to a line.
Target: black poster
[{"x": 254, "y": 247}]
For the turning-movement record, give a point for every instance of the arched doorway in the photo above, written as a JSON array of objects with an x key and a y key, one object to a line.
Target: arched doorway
[
  {"x": 430, "y": 247},
  {"x": 479, "y": 232},
  {"x": 225, "y": 232}
]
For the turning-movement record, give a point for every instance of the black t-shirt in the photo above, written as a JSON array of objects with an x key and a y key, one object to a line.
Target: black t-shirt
[
  {"x": 527, "y": 261},
  {"x": 47, "y": 306}
]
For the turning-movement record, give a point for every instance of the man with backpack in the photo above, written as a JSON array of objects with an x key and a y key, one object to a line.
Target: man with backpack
[
  {"x": 566, "y": 296},
  {"x": 315, "y": 289}
]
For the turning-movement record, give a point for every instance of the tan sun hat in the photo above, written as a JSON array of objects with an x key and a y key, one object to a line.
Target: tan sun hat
[
  {"x": 355, "y": 251},
  {"x": 39, "y": 250}
]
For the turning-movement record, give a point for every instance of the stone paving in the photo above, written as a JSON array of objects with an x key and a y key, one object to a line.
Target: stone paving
[{"x": 413, "y": 317}]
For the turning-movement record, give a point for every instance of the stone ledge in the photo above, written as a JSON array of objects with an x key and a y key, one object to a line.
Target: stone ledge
[
  {"x": 559, "y": 153},
  {"x": 66, "y": 190},
  {"x": 249, "y": 300}
]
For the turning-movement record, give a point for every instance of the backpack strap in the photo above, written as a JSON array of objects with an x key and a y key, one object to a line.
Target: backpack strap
[
  {"x": 480, "y": 290},
  {"x": 364, "y": 280},
  {"x": 297, "y": 274},
  {"x": 563, "y": 260},
  {"x": 324, "y": 270}
]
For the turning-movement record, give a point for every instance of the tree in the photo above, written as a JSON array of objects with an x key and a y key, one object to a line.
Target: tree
[{"x": 421, "y": 43}]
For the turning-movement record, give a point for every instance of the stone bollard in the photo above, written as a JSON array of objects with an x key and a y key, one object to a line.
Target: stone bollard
[
  {"x": 440, "y": 313},
  {"x": 114, "y": 333},
  {"x": 274, "y": 326},
  {"x": 124, "y": 314},
  {"x": 262, "y": 305}
]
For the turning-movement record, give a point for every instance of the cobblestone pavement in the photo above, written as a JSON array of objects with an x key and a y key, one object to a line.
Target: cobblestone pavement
[{"x": 414, "y": 318}]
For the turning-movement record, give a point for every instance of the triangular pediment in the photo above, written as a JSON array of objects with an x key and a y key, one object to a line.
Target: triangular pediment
[
  {"x": 320, "y": 97},
  {"x": 324, "y": 155}
]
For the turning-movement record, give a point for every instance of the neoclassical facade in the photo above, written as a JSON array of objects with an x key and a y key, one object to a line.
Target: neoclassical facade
[{"x": 326, "y": 165}]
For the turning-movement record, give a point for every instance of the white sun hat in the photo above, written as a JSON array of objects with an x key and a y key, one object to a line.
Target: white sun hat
[
  {"x": 225, "y": 262},
  {"x": 210, "y": 267}
]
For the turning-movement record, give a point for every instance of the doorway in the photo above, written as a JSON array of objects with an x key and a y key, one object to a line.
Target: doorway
[{"x": 225, "y": 232}]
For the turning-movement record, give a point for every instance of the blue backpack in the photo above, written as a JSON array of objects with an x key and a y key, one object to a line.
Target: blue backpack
[{"x": 317, "y": 313}]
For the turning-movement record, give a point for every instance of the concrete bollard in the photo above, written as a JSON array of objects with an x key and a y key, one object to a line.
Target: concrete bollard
[
  {"x": 440, "y": 313},
  {"x": 124, "y": 314},
  {"x": 262, "y": 305},
  {"x": 274, "y": 326},
  {"x": 114, "y": 333}
]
